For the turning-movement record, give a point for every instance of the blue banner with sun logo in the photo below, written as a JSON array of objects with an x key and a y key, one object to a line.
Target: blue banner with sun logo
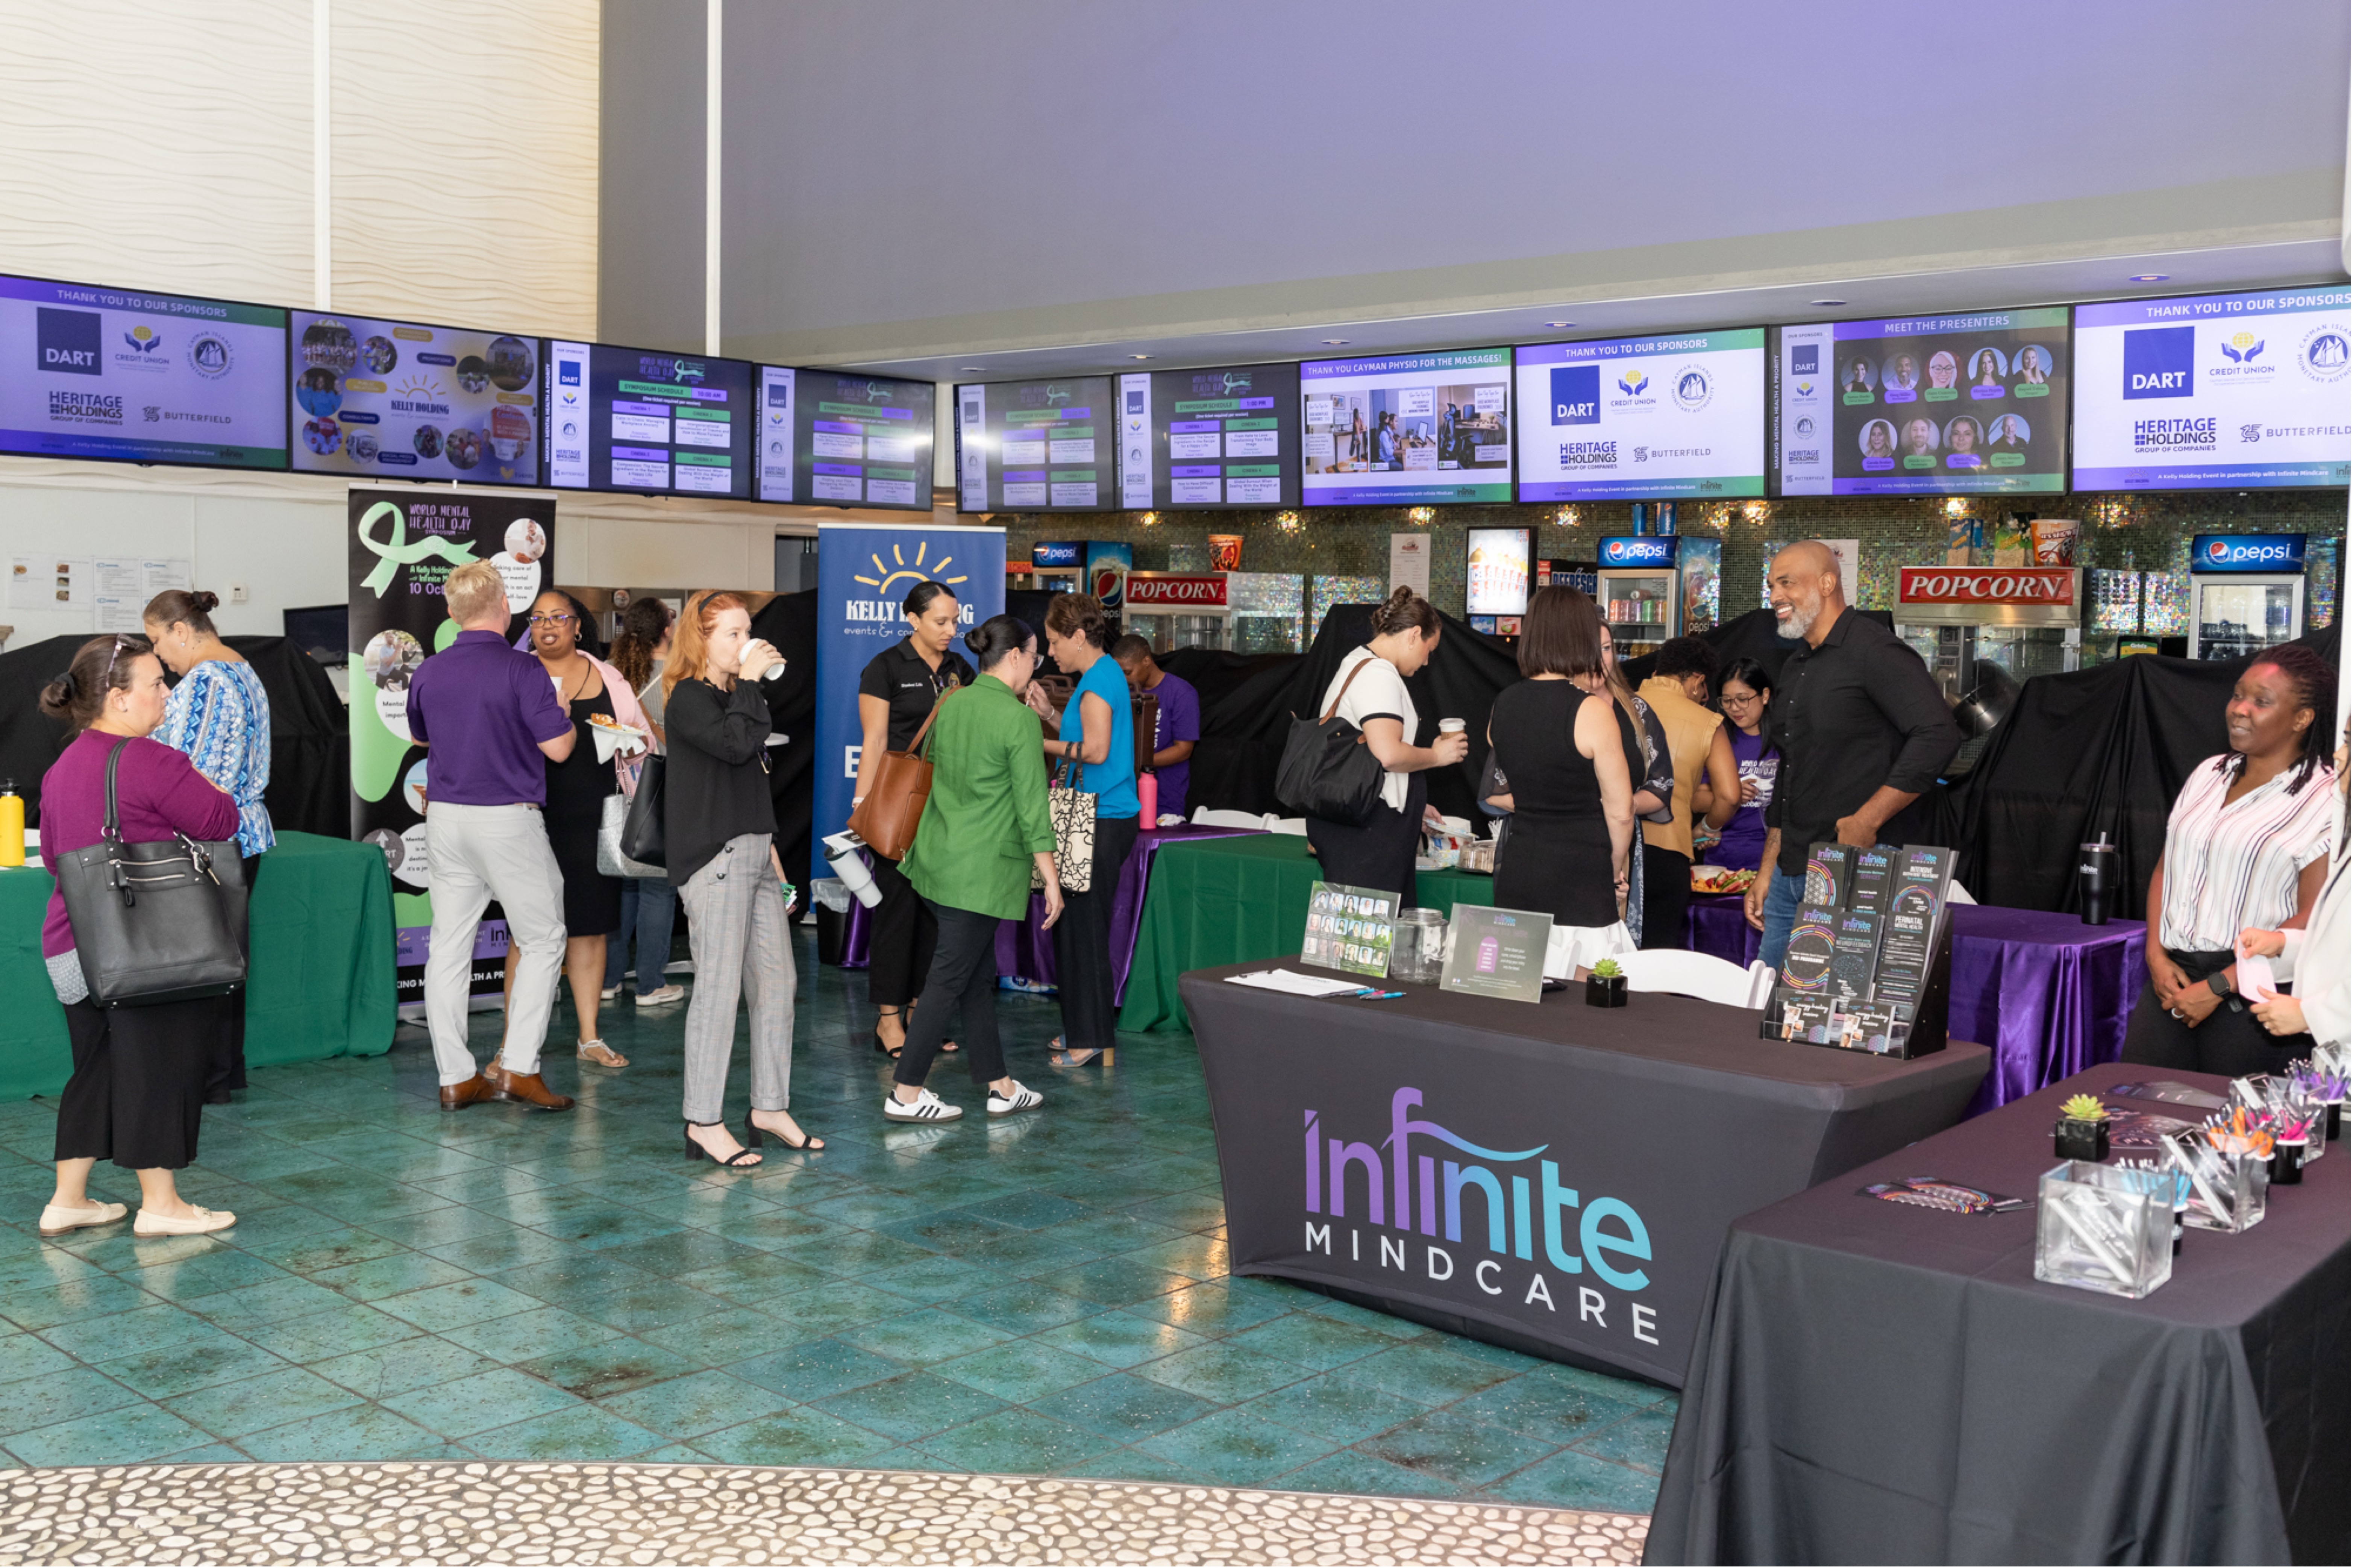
[{"x": 864, "y": 572}]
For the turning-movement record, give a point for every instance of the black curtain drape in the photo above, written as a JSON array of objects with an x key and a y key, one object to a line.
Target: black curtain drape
[{"x": 789, "y": 621}]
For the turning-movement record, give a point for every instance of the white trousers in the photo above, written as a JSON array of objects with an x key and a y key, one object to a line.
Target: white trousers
[{"x": 474, "y": 854}]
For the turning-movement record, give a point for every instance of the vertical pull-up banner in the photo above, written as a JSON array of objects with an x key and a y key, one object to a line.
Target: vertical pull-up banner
[
  {"x": 864, "y": 573},
  {"x": 404, "y": 544}
]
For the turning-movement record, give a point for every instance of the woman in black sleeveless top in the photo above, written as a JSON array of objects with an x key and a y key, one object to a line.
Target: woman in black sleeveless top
[{"x": 1560, "y": 749}]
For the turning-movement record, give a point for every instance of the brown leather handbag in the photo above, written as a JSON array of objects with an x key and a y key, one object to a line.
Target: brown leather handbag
[{"x": 887, "y": 818}]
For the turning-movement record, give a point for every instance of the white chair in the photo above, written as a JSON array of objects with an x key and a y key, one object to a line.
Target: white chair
[
  {"x": 1295, "y": 826},
  {"x": 1699, "y": 975},
  {"x": 1203, "y": 816}
]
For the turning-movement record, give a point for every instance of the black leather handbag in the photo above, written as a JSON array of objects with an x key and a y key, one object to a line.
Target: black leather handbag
[
  {"x": 155, "y": 923},
  {"x": 1327, "y": 770},
  {"x": 642, "y": 835}
]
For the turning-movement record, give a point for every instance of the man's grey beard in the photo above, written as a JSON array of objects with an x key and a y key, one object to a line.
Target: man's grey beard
[{"x": 1799, "y": 623}]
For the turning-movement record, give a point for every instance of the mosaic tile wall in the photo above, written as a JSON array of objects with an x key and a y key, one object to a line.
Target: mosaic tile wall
[{"x": 2138, "y": 532}]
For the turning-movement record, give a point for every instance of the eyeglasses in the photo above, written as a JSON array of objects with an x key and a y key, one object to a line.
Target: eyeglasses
[
  {"x": 549, "y": 620},
  {"x": 121, "y": 642}
]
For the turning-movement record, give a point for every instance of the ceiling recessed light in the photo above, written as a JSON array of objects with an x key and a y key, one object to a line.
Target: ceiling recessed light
[
  {"x": 1560, "y": 324},
  {"x": 1139, "y": 356},
  {"x": 1829, "y": 301},
  {"x": 2148, "y": 278},
  {"x": 974, "y": 367},
  {"x": 1335, "y": 342}
]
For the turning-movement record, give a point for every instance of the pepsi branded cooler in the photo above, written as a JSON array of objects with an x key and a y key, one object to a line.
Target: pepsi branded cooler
[
  {"x": 2246, "y": 593},
  {"x": 1640, "y": 579}
]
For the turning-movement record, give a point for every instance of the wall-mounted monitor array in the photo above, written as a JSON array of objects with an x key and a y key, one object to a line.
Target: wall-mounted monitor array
[
  {"x": 1036, "y": 446},
  {"x": 1210, "y": 439},
  {"x": 2244, "y": 391},
  {"x": 1642, "y": 418},
  {"x": 114, "y": 374},
  {"x": 1965, "y": 404}
]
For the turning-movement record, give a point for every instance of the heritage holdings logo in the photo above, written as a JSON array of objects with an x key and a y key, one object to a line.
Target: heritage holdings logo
[{"x": 1411, "y": 1208}]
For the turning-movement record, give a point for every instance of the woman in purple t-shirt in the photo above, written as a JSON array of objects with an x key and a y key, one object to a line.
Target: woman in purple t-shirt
[{"x": 138, "y": 1087}]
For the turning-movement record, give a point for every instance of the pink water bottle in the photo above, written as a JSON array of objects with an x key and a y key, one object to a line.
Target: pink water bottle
[{"x": 1147, "y": 795}]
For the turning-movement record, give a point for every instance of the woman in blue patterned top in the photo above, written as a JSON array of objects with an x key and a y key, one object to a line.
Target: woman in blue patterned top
[{"x": 218, "y": 717}]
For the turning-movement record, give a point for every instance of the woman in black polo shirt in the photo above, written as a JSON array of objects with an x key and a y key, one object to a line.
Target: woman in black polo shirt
[{"x": 895, "y": 695}]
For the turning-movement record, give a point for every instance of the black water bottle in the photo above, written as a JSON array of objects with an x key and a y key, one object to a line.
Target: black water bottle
[{"x": 2096, "y": 871}]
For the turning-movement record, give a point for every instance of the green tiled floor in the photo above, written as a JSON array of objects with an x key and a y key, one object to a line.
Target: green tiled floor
[{"x": 1045, "y": 1293}]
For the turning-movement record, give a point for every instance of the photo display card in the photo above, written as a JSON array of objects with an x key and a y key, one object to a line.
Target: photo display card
[
  {"x": 1350, "y": 928},
  {"x": 1496, "y": 952},
  {"x": 1864, "y": 952}
]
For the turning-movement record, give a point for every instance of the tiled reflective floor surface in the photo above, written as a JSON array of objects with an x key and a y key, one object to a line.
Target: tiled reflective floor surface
[{"x": 1043, "y": 1294}]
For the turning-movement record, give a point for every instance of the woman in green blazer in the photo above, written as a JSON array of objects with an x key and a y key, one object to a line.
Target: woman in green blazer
[{"x": 983, "y": 828}]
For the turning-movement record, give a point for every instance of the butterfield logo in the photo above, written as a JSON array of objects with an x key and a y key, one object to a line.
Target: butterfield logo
[
  {"x": 2160, "y": 362},
  {"x": 1577, "y": 395},
  {"x": 1522, "y": 1204},
  {"x": 66, "y": 342}
]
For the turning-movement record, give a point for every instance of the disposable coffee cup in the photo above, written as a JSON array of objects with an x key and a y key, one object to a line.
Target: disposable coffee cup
[
  {"x": 1451, "y": 726},
  {"x": 772, "y": 670}
]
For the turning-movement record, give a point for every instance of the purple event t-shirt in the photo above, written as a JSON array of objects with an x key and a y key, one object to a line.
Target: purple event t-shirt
[
  {"x": 483, "y": 709},
  {"x": 1180, "y": 719},
  {"x": 156, "y": 789}
]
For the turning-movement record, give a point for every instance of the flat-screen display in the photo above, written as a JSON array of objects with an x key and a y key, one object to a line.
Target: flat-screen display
[
  {"x": 2246, "y": 391},
  {"x": 638, "y": 420},
  {"x": 395, "y": 399},
  {"x": 1406, "y": 429},
  {"x": 829, "y": 437},
  {"x": 87, "y": 372},
  {"x": 1496, "y": 571},
  {"x": 1967, "y": 405},
  {"x": 1633, "y": 418},
  {"x": 1203, "y": 439},
  {"x": 1036, "y": 446}
]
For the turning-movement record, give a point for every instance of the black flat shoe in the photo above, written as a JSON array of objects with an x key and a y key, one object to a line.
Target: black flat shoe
[
  {"x": 743, "y": 1159},
  {"x": 754, "y": 1134}
]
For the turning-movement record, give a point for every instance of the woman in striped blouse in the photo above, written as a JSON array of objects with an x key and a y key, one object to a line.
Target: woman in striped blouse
[{"x": 2248, "y": 845}]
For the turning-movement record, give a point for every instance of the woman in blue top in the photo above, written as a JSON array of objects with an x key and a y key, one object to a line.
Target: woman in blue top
[
  {"x": 218, "y": 718},
  {"x": 1097, "y": 737}
]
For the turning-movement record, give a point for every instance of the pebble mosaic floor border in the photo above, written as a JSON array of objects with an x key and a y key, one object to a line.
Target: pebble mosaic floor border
[
  {"x": 1043, "y": 1295},
  {"x": 547, "y": 1513}
]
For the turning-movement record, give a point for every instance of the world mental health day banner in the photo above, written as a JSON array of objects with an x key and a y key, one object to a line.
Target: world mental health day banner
[
  {"x": 404, "y": 544},
  {"x": 864, "y": 573}
]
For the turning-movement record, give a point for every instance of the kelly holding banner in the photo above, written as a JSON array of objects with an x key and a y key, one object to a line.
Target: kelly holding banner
[
  {"x": 864, "y": 573},
  {"x": 404, "y": 544}
]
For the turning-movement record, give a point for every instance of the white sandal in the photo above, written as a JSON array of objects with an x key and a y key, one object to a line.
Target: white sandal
[{"x": 616, "y": 1060}]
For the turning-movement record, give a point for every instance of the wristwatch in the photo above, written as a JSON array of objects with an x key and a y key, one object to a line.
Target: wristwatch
[{"x": 2217, "y": 984}]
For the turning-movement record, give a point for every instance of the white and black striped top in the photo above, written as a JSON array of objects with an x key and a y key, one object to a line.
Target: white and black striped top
[{"x": 2230, "y": 867}]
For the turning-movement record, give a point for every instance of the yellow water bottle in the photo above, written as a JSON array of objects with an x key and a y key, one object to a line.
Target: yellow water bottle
[{"x": 12, "y": 825}]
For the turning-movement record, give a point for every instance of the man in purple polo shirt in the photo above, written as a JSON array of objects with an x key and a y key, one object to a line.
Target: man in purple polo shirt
[
  {"x": 1179, "y": 709},
  {"x": 490, "y": 714}
]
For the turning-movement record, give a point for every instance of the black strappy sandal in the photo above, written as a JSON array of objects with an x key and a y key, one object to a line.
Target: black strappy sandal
[
  {"x": 754, "y": 1134},
  {"x": 743, "y": 1159},
  {"x": 898, "y": 1013}
]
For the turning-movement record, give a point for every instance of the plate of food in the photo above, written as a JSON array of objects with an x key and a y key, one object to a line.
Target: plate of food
[{"x": 1721, "y": 880}]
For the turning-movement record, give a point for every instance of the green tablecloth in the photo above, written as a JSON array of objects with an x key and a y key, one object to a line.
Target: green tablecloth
[
  {"x": 1239, "y": 901},
  {"x": 322, "y": 981}
]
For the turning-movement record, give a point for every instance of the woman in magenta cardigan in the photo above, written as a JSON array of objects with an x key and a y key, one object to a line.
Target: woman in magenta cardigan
[{"x": 138, "y": 1087}]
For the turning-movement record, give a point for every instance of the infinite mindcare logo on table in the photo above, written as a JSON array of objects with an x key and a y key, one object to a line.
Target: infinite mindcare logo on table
[{"x": 1407, "y": 1214}]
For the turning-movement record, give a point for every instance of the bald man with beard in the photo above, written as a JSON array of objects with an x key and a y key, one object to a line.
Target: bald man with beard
[{"x": 1863, "y": 730}]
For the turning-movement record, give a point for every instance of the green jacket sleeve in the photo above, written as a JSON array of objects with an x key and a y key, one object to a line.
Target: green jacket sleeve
[{"x": 1025, "y": 767}]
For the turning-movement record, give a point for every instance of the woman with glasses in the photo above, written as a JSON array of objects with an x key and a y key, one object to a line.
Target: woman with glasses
[
  {"x": 1745, "y": 694},
  {"x": 218, "y": 718},
  {"x": 137, "y": 1092},
  {"x": 587, "y": 688}
]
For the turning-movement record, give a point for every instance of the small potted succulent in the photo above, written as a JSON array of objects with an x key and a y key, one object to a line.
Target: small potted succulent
[
  {"x": 1605, "y": 984},
  {"x": 2082, "y": 1130}
]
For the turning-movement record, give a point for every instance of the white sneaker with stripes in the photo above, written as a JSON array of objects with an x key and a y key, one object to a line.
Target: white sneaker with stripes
[
  {"x": 1023, "y": 1098},
  {"x": 925, "y": 1107}
]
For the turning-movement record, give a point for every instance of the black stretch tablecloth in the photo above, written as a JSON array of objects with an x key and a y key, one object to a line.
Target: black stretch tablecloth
[
  {"x": 1877, "y": 1384},
  {"x": 1660, "y": 1124}
]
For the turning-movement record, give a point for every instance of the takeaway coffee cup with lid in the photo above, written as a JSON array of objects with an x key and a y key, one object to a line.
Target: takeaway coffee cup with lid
[{"x": 1450, "y": 726}]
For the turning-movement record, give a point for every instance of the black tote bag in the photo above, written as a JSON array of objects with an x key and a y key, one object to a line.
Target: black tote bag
[
  {"x": 641, "y": 829},
  {"x": 1327, "y": 770},
  {"x": 155, "y": 923}
]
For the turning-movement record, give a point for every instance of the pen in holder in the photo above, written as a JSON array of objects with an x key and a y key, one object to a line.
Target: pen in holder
[
  {"x": 2101, "y": 1228},
  {"x": 2227, "y": 1192}
]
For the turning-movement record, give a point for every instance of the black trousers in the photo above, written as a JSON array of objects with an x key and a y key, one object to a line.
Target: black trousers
[
  {"x": 963, "y": 978},
  {"x": 901, "y": 941},
  {"x": 1082, "y": 972},
  {"x": 1378, "y": 854},
  {"x": 1666, "y": 896},
  {"x": 225, "y": 1071},
  {"x": 2230, "y": 1041},
  {"x": 138, "y": 1087}
]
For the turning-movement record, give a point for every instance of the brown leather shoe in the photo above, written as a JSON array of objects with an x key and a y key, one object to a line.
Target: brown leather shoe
[
  {"x": 457, "y": 1095},
  {"x": 525, "y": 1089}
]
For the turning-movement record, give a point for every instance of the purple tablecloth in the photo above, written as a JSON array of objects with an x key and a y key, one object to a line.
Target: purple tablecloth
[
  {"x": 2050, "y": 994},
  {"x": 1024, "y": 951}
]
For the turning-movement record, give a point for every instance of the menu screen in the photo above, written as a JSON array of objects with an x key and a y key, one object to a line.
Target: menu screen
[
  {"x": 2245, "y": 391},
  {"x": 632, "y": 419},
  {"x": 1923, "y": 405},
  {"x": 1642, "y": 418},
  {"x": 829, "y": 437},
  {"x": 1036, "y": 446},
  {"x": 1207, "y": 438},
  {"x": 87, "y": 372},
  {"x": 392, "y": 399},
  {"x": 1407, "y": 430}
]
